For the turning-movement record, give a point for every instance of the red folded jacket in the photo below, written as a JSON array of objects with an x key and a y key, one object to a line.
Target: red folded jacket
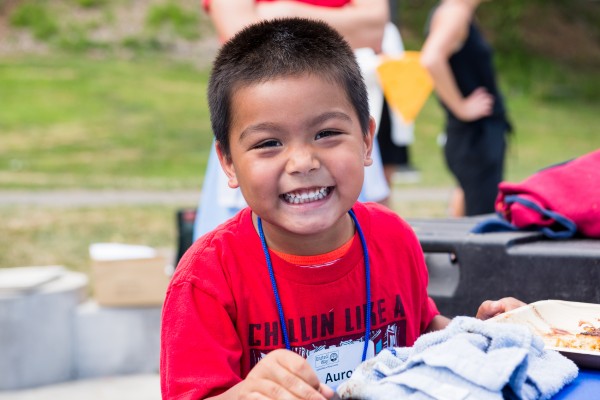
[{"x": 560, "y": 200}]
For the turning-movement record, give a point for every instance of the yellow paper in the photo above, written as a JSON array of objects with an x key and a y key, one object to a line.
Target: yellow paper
[{"x": 406, "y": 84}]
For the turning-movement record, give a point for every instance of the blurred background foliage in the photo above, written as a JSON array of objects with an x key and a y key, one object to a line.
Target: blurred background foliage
[
  {"x": 547, "y": 48},
  {"x": 84, "y": 25},
  {"x": 535, "y": 40},
  {"x": 110, "y": 94}
]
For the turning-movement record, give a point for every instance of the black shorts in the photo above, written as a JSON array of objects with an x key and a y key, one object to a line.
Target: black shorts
[
  {"x": 474, "y": 154},
  {"x": 391, "y": 153}
]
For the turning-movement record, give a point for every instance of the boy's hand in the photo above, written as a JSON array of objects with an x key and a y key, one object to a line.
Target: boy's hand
[
  {"x": 283, "y": 374},
  {"x": 489, "y": 308}
]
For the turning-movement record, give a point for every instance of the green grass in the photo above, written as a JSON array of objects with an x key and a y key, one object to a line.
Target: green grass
[
  {"x": 61, "y": 236},
  {"x": 79, "y": 122},
  {"x": 71, "y": 121}
]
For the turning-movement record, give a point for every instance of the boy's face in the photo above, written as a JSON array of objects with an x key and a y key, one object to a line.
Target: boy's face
[{"x": 298, "y": 154}]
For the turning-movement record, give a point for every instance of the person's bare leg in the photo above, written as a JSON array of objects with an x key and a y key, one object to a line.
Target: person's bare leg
[{"x": 457, "y": 203}]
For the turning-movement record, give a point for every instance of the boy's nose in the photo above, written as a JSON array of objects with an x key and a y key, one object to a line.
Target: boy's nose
[{"x": 302, "y": 161}]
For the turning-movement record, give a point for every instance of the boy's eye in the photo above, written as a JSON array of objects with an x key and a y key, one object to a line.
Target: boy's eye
[
  {"x": 267, "y": 143},
  {"x": 324, "y": 134}
]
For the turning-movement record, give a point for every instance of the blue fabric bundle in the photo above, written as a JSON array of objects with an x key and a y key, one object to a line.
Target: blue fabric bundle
[{"x": 470, "y": 359}]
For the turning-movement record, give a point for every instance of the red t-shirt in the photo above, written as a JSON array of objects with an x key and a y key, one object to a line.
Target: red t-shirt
[{"x": 220, "y": 314}]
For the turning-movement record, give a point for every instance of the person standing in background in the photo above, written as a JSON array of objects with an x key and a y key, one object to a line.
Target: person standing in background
[
  {"x": 361, "y": 22},
  {"x": 460, "y": 63},
  {"x": 394, "y": 137}
]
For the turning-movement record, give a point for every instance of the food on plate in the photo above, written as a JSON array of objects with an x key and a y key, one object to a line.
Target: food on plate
[
  {"x": 587, "y": 339},
  {"x": 590, "y": 330}
]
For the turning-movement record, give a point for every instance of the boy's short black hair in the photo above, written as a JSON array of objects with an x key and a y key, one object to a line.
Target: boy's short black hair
[{"x": 279, "y": 48}]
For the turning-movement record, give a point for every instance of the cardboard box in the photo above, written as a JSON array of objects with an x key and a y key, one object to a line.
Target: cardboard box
[{"x": 131, "y": 282}]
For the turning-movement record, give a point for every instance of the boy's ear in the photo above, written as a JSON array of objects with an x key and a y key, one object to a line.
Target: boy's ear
[
  {"x": 368, "y": 138},
  {"x": 227, "y": 165}
]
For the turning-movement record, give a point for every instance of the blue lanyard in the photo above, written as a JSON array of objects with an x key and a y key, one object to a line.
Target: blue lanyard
[{"x": 363, "y": 242}]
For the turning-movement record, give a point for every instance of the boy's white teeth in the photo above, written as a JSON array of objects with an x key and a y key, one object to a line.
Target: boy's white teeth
[{"x": 306, "y": 196}]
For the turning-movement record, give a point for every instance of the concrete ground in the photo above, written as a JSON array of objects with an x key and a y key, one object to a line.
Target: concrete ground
[{"x": 125, "y": 387}]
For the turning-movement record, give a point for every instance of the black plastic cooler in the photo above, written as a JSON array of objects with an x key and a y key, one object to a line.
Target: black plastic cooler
[{"x": 467, "y": 268}]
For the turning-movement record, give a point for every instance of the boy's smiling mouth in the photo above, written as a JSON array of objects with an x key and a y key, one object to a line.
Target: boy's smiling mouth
[{"x": 306, "y": 195}]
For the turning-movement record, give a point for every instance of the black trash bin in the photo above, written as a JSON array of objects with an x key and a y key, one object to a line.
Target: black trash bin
[
  {"x": 185, "y": 230},
  {"x": 467, "y": 268}
]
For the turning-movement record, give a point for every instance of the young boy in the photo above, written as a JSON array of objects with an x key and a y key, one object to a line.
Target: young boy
[{"x": 297, "y": 268}]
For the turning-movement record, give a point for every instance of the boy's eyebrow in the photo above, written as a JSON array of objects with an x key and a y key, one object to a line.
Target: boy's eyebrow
[
  {"x": 260, "y": 127},
  {"x": 329, "y": 115},
  {"x": 321, "y": 118}
]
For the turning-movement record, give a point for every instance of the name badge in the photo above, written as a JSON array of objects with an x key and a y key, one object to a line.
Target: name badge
[{"x": 334, "y": 365}]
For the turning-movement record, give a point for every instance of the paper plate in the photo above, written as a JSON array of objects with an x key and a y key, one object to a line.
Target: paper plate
[{"x": 561, "y": 324}]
